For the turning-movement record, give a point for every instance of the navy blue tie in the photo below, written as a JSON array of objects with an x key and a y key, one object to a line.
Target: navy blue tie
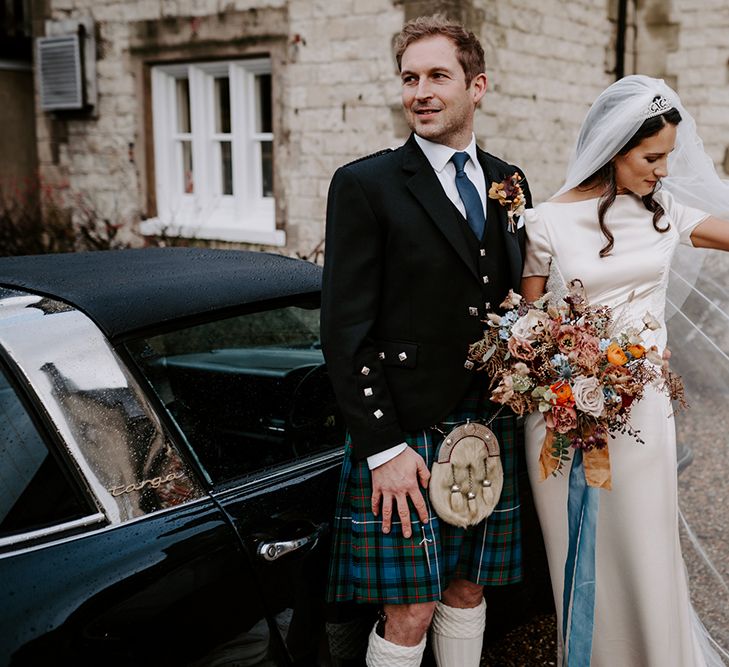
[{"x": 469, "y": 196}]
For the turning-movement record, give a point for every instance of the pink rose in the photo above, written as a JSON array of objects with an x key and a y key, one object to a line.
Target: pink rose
[
  {"x": 520, "y": 348},
  {"x": 530, "y": 325},
  {"x": 588, "y": 395},
  {"x": 587, "y": 348},
  {"x": 561, "y": 418}
]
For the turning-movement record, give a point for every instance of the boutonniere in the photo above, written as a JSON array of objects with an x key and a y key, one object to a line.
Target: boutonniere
[{"x": 509, "y": 193}]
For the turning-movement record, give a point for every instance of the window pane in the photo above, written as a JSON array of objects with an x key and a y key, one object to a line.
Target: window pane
[
  {"x": 34, "y": 492},
  {"x": 267, "y": 167},
  {"x": 222, "y": 105},
  {"x": 249, "y": 392},
  {"x": 226, "y": 168},
  {"x": 187, "y": 181},
  {"x": 183, "y": 105},
  {"x": 264, "y": 122}
]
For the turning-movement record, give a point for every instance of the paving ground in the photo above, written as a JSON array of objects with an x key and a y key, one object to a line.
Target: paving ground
[{"x": 532, "y": 644}]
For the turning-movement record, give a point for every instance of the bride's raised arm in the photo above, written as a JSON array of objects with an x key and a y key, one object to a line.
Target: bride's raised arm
[{"x": 710, "y": 233}]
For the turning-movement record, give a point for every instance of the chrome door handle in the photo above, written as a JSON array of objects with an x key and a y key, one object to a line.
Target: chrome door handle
[{"x": 271, "y": 551}]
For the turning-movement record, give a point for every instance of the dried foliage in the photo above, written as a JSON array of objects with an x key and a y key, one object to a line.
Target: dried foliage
[{"x": 39, "y": 218}]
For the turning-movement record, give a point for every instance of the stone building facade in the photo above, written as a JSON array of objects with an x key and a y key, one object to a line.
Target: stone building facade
[{"x": 316, "y": 84}]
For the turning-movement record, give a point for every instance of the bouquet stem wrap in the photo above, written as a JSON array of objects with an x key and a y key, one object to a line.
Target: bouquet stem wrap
[{"x": 596, "y": 464}]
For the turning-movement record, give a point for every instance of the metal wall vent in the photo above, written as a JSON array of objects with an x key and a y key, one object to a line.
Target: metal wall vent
[{"x": 61, "y": 74}]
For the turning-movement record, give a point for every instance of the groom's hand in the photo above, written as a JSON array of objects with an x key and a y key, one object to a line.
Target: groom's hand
[{"x": 394, "y": 482}]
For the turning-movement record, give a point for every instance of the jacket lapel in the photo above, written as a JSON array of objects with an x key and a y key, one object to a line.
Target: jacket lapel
[
  {"x": 426, "y": 188},
  {"x": 494, "y": 172}
]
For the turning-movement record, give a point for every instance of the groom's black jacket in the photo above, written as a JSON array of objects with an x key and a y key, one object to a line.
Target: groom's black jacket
[{"x": 403, "y": 274}]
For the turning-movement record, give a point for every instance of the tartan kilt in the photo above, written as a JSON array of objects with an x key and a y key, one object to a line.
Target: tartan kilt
[{"x": 368, "y": 566}]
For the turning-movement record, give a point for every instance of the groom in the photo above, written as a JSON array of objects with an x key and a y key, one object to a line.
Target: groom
[{"x": 416, "y": 255}]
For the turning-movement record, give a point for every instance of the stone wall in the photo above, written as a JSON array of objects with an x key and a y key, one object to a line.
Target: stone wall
[
  {"x": 343, "y": 91},
  {"x": 547, "y": 60},
  {"x": 700, "y": 67},
  {"x": 336, "y": 89},
  {"x": 339, "y": 88}
]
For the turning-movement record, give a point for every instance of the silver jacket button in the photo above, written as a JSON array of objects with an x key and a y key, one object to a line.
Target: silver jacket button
[
  {"x": 368, "y": 391},
  {"x": 485, "y": 280},
  {"x": 381, "y": 355},
  {"x": 402, "y": 356},
  {"x": 378, "y": 413},
  {"x": 468, "y": 365},
  {"x": 365, "y": 370},
  {"x": 482, "y": 252},
  {"x": 473, "y": 311}
]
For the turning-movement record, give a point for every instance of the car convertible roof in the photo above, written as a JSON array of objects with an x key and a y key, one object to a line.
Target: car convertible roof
[{"x": 125, "y": 291}]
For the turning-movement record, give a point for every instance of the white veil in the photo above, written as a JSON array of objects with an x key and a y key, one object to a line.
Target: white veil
[
  {"x": 692, "y": 179},
  {"x": 615, "y": 117},
  {"x": 611, "y": 122}
]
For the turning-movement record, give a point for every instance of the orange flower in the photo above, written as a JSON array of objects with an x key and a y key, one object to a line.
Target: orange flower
[
  {"x": 615, "y": 355},
  {"x": 563, "y": 392},
  {"x": 636, "y": 350}
]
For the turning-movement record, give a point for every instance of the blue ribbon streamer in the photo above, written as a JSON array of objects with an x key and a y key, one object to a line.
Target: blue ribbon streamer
[{"x": 579, "y": 568}]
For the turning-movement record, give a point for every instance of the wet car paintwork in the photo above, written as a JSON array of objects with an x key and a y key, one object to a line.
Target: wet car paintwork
[{"x": 178, "y": 580}]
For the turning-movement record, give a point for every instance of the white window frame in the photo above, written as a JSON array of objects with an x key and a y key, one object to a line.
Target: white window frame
[{"x": 246, "y": 215}]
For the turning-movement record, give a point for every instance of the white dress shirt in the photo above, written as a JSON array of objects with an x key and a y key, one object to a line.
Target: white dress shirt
[{"x": 439, "y": 156}]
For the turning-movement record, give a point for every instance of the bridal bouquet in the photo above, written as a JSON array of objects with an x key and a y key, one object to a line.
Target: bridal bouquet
[{"x": 567, "y": 361}]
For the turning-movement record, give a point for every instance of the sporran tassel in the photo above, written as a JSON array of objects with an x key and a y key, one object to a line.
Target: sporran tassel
[
  {"x": 471, "y": 496},
  {"x": 486, "y": 491},
  {"x": 457, "y": 500}
]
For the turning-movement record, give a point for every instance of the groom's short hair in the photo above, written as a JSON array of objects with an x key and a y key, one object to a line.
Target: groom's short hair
[{"x": 468, "y": 49}]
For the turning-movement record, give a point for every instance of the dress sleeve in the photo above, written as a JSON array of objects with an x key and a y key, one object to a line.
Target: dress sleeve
[
  {"x": 538, "y": 248},
  {"x": 684, "y": 218}
]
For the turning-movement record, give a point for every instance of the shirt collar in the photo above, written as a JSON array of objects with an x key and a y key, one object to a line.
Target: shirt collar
[{"x": 439, "y": 154}]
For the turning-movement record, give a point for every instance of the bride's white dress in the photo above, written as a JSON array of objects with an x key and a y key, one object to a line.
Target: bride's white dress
[{"x": 643, "y": 615}]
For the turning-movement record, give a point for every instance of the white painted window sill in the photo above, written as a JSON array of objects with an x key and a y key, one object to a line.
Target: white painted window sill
[{"x": 154, "y": 227}]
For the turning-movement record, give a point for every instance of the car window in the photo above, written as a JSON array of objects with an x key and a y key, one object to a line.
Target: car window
[
  {"x": 248, "y": 392},
  {"x": 34, "y": 491}
]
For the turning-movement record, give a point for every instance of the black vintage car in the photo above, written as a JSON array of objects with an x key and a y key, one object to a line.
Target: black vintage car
[
  {"x": 170, "y": 449},
  {"x": 169, "y": 455}
]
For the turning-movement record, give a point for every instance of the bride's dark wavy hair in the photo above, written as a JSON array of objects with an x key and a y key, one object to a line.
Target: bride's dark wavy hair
[{"x": 605, "y": 176}]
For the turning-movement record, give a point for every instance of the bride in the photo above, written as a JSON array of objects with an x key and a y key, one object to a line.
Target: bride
[{"x": 639, "y": 183}]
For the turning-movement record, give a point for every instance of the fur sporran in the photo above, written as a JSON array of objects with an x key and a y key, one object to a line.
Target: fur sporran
[{"x": 467, "y": 476}]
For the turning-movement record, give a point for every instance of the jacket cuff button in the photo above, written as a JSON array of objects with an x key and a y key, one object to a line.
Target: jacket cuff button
[
  {"x": 402, "y": 356},
  {"x": 473, "y": 311},
  {"x": 468, "y": 365},
  {"x": 381, "y": 355},
  {"x": 365, "y": 370}
]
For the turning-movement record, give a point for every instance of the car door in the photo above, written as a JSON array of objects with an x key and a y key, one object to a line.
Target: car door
[
  {"x": 111, "y": 549},
  {"x": 251, "y": 398}
]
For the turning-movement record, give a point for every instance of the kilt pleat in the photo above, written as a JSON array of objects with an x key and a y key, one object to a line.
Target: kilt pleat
[{"x": 370, "y": 567}]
